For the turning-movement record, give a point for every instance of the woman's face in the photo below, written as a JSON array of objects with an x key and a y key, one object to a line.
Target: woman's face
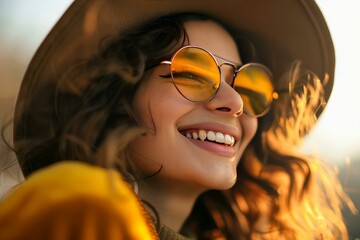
[{"x": 168, "y": 116}]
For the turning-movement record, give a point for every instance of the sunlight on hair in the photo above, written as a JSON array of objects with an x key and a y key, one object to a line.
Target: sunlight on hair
[{"x": 312, "y": 184}]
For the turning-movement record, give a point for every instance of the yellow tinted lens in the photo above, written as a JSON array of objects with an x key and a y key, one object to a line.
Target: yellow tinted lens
[
  {"x": 195, "y": 74},
  {"x": 254, "y": 84}
]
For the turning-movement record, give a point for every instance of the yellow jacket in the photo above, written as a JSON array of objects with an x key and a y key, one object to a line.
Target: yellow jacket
[{"x": 73, "y": 200}]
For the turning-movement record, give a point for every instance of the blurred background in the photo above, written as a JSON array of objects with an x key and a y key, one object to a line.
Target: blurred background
[{"x": 336, "y": 137}]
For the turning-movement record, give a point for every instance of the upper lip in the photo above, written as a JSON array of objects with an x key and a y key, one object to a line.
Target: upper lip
[{"x": 215, "y": 127}]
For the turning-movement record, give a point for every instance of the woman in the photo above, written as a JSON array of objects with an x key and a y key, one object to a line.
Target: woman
[{"x": 198, "y": 109}]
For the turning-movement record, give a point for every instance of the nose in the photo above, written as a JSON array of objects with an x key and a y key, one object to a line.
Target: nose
[{"x": 227, "y": 100}]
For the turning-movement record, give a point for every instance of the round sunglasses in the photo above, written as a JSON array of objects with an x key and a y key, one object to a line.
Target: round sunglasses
[{"x": 196, "y": 74}]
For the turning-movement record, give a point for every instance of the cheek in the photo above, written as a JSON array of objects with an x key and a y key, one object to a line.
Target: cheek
[
  {"x": 157, "y": 107},
  {"x": 157, "y": 104}
]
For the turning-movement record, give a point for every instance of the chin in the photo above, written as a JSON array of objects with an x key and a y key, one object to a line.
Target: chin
[
  {"x": 220, "y": 182},
  {"x": 226, "y": 185}
]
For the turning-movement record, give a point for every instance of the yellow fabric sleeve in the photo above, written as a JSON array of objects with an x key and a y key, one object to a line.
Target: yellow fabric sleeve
[{"x": 73, "y": 200}]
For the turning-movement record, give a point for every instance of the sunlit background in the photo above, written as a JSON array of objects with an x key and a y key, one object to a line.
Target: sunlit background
[{"x": 336, "y": 137}]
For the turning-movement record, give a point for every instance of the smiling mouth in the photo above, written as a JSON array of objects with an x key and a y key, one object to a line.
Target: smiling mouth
[{"x": 210, "y": 136}]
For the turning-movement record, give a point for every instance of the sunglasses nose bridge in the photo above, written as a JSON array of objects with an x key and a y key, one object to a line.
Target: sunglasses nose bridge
[
  {"x": 233, "y": 66},
  {"x": 226, "y": 75}
]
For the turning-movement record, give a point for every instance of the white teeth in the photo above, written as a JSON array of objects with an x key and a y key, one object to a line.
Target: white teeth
[
  {"x": 202, "y": 135},
  {"x": 212, "y": 136},
  {"x": 228, "y": 139},
  {"x": 220, "y": 137},
  {"x": 195, "y": 135}
]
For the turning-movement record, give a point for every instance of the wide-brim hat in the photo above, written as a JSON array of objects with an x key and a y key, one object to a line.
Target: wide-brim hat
[{"x": 281, "y": 31}]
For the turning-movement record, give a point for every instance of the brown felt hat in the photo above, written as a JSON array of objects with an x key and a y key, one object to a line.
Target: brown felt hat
[{"x": 281, "y": 31}]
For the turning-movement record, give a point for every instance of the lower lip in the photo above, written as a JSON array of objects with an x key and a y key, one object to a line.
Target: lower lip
[{"x": 223, "y": 150}]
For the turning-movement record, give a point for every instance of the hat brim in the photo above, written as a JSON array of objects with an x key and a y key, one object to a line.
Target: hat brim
[{"x": 281, "y": 31}]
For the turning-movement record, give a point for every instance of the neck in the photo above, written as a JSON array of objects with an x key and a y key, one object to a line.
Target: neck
[{"x": 173, "y": 201}]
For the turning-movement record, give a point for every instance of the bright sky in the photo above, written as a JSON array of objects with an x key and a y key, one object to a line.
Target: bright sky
[{"x": 336, "y": 136}]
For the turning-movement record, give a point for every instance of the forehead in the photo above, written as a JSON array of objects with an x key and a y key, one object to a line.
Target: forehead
[{"x": 213, "y": 37}]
